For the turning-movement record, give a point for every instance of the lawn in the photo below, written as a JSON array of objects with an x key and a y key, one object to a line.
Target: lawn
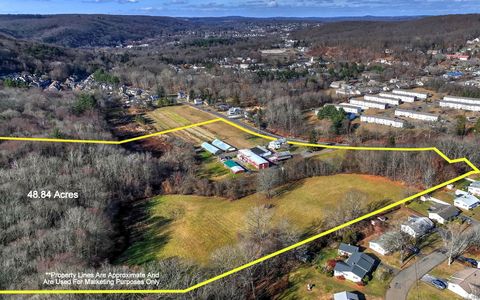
[
  {"x": 211, "y": 167},
  {"x": 426, "y": 291},
  {"x": 326, "y": 286},
  {"x": 192, "y": 227}
]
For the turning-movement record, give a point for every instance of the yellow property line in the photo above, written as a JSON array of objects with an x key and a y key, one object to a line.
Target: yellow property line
[{"x": 475, "y": 170}]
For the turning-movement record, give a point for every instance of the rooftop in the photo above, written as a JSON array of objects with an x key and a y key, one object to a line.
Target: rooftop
[{"x": 468, "y": 199}]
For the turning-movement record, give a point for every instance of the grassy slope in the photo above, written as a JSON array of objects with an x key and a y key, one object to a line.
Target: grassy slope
[{"x": 192, "y": 227}]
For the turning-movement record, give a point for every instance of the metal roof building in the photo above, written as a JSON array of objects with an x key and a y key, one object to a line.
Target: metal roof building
[
  {"x": 210, "y": 148},
  {"x": 222, "y": 145},
  {"x": 248, "y": 156}
]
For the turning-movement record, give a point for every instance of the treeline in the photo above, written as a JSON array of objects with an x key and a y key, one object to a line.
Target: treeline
[{"x": 347, "y": 40}]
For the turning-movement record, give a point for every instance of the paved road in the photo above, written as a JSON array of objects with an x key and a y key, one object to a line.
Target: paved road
[
  {"x": 238, "y": 122},
  {"x": 405, "y": 279}
]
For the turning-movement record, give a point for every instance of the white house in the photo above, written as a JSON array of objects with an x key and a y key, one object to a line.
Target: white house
[
  {"x": 417, "y": 226},
  {"x": 379, "y": 245},
  {"x": 466, "y": 202},
  {"x": 345, "y": 296},
  {"x": 474, "y": 188},
  {"x": 443, "y": 213},
  {"x": 355, "y": 267},
  {"x": 465, "y": 283},
  {"x": 382, "y": 121}
]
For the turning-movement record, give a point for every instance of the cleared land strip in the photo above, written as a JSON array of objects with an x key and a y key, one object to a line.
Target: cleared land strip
[{"x": 475, "y": 170}]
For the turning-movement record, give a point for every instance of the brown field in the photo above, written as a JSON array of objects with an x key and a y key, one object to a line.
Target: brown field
[{"x": 177, "y": 116}]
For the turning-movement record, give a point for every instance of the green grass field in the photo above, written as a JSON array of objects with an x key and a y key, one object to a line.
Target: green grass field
[{"x": 192, "y": 227}]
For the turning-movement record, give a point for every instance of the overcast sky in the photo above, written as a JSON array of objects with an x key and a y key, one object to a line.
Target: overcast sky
[{"x": 253, "y": 8}]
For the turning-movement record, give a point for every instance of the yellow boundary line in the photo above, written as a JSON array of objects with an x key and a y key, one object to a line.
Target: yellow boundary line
[{"x": 475, "y": 170}]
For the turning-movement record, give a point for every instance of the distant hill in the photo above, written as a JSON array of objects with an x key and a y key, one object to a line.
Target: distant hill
[
  {"x": 87, "y": 30},
  {"x": 35, "y": 57},
  {"x": 109, "y": 30},
  {"x": 426, "y": 32}
]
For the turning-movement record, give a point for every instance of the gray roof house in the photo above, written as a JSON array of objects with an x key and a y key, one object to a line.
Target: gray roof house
[
  {"x": 417, "y": 226},
  {"x": 347, "y": 249},
  {"x": 443, "y": 213},
  {"x": 355, "y": 267}
]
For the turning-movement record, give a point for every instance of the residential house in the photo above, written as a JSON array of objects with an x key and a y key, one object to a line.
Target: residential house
[
  {"x": 356, "y": 267},
  {"x": 345, "y": 296},
  {"x": 465, "y": 283},
  {"x": 347, "y": 249},
  {"x": 380, "y": 245},
  {"x": 467, "y": 202},
  {"x": 474, "y": 188},
  {"x": 417, "y": 226},
  {"x": 443, "y": 213}
]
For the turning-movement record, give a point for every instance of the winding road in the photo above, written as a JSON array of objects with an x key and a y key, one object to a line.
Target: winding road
[{"x": 406, "y": 278}]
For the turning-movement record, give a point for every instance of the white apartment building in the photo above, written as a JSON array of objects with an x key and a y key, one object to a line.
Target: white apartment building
[
  {"x": 382, "y": 121},
  {"x": 403, "y": 98},
  {"x": 421, "y": 96},
  {"x": 364, "y": 104},
  {"x": 416, "y": 115},
  {"x": 460, "y": 105},
  {"x": 387, "y": 100}
]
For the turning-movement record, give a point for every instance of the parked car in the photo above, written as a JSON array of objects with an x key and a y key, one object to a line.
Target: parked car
[
  {"x": 468, "y": 261},
  {"x": 439, "y": 284}
]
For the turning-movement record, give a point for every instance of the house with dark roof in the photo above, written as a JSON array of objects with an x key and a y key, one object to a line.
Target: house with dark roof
[
  {"x": 347, "y": 249},
  {"x": 443, "y": 213},
  {"x": 356, "y": 267}
]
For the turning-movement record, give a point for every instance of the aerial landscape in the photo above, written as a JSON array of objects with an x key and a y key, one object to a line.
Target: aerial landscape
[{"x": 240, "y": 149}]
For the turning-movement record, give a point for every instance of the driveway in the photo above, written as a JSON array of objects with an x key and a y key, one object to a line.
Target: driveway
[{"x": 406, "y": 278}]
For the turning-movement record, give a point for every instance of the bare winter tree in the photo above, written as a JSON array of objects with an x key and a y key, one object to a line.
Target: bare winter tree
[
  {"x": 267, "y": 180},
  {"x": 457, "y": 238}
]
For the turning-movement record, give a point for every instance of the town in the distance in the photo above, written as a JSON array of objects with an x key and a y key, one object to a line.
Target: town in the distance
[{"x": 239, "y": 157}]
